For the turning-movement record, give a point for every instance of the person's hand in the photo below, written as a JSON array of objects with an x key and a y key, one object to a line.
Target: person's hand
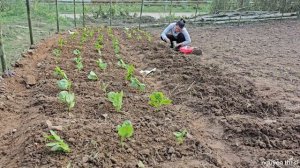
[{"x": 178, "y": 45}]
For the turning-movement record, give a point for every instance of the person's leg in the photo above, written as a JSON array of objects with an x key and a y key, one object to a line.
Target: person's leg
[
  {"x": 171, "y": 38},
  {"x": 180, "y": 38}
]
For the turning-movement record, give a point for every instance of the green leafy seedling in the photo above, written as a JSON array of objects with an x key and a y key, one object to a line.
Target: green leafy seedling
[
  {"x": 116, "y": 99},
  {"x": 61, "y": 42},
  {"x": 130, "y": 71},
  {"x": 76, "y": 52},
  {"x": 67, "y": 98},
  {"x": 93, "y": 76},
  {"x": 125, "y": 130},
  {"x": 180, "y": 136},
  {"x": 56, "y": 52},
  {"x": 135, "y": 83},
  {"x": 122, "y": 64},
  {"x": 102, "y": 65},
  {"x": 64, "y": 84},
  {"x": 57, "y": 144},
  {"x": 98, "y": 47},
  {"x": 157, "y": 99},
  {"x": 78, "y": 61},
  {"x": 60, "y": 73}
]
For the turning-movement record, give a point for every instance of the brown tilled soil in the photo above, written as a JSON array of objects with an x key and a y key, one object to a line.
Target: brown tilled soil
[{"x": 238, "y": 101}]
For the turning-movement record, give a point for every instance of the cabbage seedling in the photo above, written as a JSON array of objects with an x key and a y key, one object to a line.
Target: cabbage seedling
[
  {"x": 61, "y": 42},
  {"x": 157, "y": 99},
  {"x": 130, "y": 71},
  {"x": 102, "y": 65},
  {"x": 76, "y": 52},
  {"x": 122, "y": 64},
  {"x": 180, "y": 136},
  {"x": 64, "y": 84},
  {"x": 135, "y": 83},
  {"x": 67, "y": 98},
  {"x": 116, "y": 99},
  {"x": 60, "y": 73},
  {"x": 125, "y": 130},
  {"x": 57, "y": 144},
  {"x": 78, "y": 61},
  {"x": 98, "y": 47},
  {"x": 93, "y": 76}
]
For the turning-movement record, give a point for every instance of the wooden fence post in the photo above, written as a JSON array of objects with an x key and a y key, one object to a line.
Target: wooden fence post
[
  {"x": 170, "y": 11},
  {"x": 29, "y": 22},
  {"x": 57, "y": 20},
  {"x": 74, "y": 3},
  {"x": 110, "y": 12},
  {"x": 142, "y": 5},
  {"x": 2, "y": 54},
  {"x": 83, "y": 15}
]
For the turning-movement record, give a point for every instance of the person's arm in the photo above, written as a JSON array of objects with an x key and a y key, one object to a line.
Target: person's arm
[
  {"x": 167, "y": 29},
  {"x": 187, "y": 38}
]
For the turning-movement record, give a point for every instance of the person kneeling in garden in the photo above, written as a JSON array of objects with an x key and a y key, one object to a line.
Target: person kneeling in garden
[{"x": 176, "y": 34}]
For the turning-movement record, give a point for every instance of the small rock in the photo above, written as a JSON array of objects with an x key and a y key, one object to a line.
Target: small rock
[
  {"x": 104, "y": 116},
  {"x": 9, "y": 98},
  {"x": 147, "y": 118},
  {"x": 32, "y": 47},
  {"x": 145, "y": 152},
  {"x": 58, "y": 128},
  {"x": 1, "y": 105},
  {"x": 261, "y": 144},
  {"x": 29, "y": 80},
  {"x": 85, "y": 159},
  {"x": 30, "y": 51},
  {"x": 14, "y": 130},
  {"x": 270, "y": 121},
  {"x": 71, "y": 140},
  {"x": 178, "y": 107},
  {"x": 113, "y": 160},
  {"x": 49, "y": 123},
  {"x": 39, "y": 65},
  {"x": 171, "y": 150},
  {"x": 297, "y": 116},
  {"x": 129, "y": 150}
]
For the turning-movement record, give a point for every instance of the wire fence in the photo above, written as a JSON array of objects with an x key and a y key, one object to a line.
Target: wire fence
[{"x": 26, "y": 22}]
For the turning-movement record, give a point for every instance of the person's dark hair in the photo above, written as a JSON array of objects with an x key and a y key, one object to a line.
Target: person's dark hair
[{"x": 181, "y": 23}]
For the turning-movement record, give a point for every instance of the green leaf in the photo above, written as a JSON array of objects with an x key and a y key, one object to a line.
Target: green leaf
[
  {"x": 180, "y": 136},
  {"x": 58, "y": 144},
  {"x": 51, "y": 144},
  {"x": 135, "y": 83},
  {"x": 93, "y": 76},
  {"x": 64, "y": 84},
  {"x": 59, "y": 72},
  {"x": 130, "y": 71},
  {"x": 101, "y": 64},
  {"x": 67, "y": 98},
  {"x": 157, "y": 99},
  {"x": 76, "y": 52},
  {"x": 122, "y": 64},
  {"x": 79, "y": 66},
  {"x": 125, "y": 130},
  {"x": 62, "y": 96},
  {"x": 116, "y": 99}
]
